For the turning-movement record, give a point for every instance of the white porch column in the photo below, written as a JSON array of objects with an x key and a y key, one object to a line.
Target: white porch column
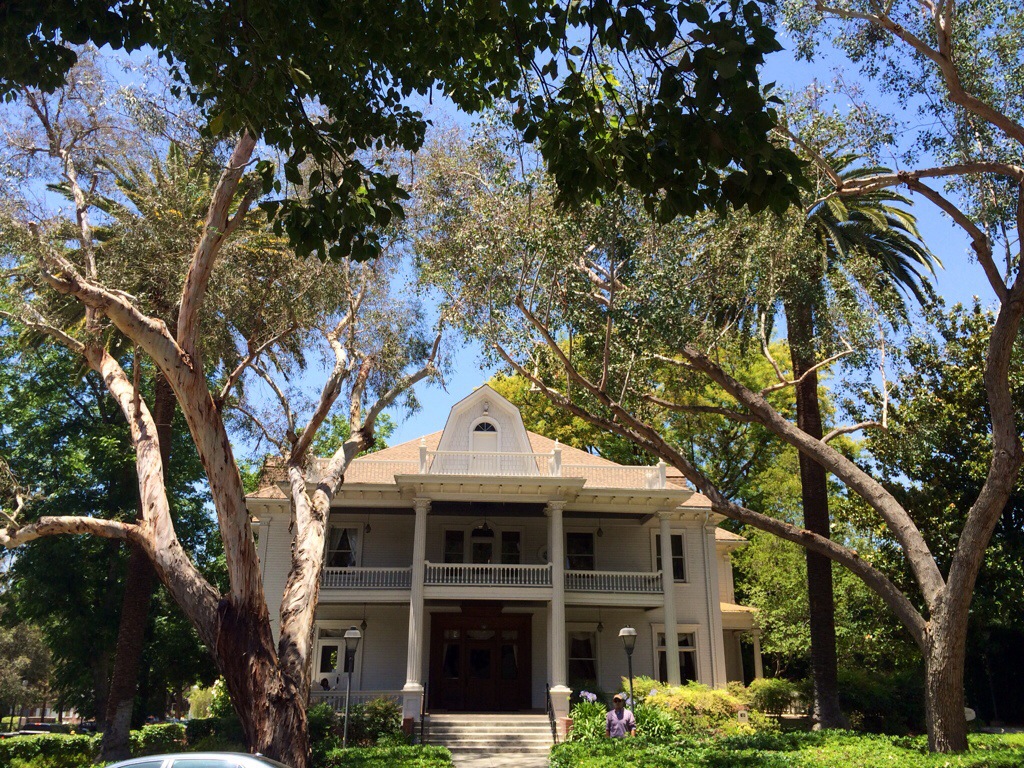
[
  {"x": 668, "y": 588},
  {"x": 556, "y": 547},
  {"x": 758, "y": 666},
  {"x": 412, "y": 693}
]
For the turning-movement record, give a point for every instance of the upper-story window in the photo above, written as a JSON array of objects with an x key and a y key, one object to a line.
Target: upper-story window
[
  {"x": 678, "y": 555},
  {"x": 579, "y": 551},
  {"x": 341, "y": 547}
]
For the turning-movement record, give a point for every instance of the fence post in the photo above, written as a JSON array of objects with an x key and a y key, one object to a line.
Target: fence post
[
  {"x": 556, "y": 460},
  {"x": 423, "y": 455}
]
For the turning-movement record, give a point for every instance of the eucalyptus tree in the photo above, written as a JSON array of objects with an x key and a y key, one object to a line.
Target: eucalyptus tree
[
  {"x": 608, "y": 300},
  {"x": 949, "y": 75},
  {"x": 322, "y": 83},
  {"x": 85, "y": 278}
]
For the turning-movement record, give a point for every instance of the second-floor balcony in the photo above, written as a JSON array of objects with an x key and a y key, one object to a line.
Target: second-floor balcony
[{"x": 482, "y": 575}]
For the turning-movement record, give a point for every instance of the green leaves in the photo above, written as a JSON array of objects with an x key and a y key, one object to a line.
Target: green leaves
[{"x": 326, "y": 82}]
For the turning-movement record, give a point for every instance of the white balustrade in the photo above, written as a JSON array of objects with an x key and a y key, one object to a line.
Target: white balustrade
[
  {"x": 612, "y": 581},
  {"x": 336, "y": 698},
  {"x": 486, "y": 575},
  {"x": 490, "y": 463},
  {"x": 366, "y": 578}
]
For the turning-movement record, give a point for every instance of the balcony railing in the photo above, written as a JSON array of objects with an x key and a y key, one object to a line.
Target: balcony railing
[
  {"x": 489, "y": 463},
  {"x": 612, "y": 581},
  {"x": 491, "y": 575},
  {"x": 366, "y": 578},
  {"x": 481, "y": 575}
]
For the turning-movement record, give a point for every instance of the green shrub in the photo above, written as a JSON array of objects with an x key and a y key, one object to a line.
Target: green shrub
[
  {"x": 66, "y": 751},
  {"x": 642, "y": 687},
  {"x": 771, "y": 695},
  {"x": 371, "y": 722},
  {"x": 225, "y": 729},
  {"x": 892, "y": 704},
  {"x": 822, "y": 749},
  {"x": 404, "y": 756},
  {"x": 702, "y": 711},
  {"x": 220, "y": 704},
  {"x": 588, "y": 721},
  {"x": 156, "y": 739},
  {"x": 656, "y": 724}
]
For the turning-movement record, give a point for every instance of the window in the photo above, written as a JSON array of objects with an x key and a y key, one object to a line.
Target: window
[
  {"x": 511, "y": 548},
  {"x": 485, "y": 437},
  {"x": 582, "y": 657},
  {"x": 341, "y": 547},
  {"x": 687, "y": 657},
  {"x": 485, "y": 426},
  {"x": 454, "y": 546},
  {"x": 579, "y": 551},
  {"x": 678, "y": 556}
]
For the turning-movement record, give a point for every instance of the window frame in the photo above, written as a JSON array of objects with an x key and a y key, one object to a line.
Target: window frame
[
  {"x": 356, "y": 538},
  {"x": 593, "y": 546},
  {"x": 681, "y": 629},
  {"x": 656, "y": 554},
  {"x": 499, "y": 534},
  {"x": 583, "y": 628}
]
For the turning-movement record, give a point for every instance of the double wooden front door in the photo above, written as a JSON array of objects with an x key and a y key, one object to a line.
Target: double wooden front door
[{"x": 480, "y": 663}]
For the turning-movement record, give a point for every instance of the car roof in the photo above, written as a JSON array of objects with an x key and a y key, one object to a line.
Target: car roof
[{"x": 242, "y": 758}]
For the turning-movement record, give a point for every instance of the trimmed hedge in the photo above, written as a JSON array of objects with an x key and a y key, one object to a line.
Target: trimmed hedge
[
  {"x": 58, "y": 749},
  {"x": 156, "y": 739},
  {"x": 822, "y": 749},
  {"x": 403, "y": 756}
]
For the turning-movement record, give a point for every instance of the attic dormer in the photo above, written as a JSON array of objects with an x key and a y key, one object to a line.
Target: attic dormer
[{"x": 485, "y": 422}]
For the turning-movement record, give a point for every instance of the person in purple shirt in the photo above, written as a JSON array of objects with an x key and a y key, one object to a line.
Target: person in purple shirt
[{"x": 619, "y": 721}]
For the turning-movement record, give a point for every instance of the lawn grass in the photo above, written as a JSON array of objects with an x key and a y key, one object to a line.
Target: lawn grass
[{"x": 823, "y": 749}]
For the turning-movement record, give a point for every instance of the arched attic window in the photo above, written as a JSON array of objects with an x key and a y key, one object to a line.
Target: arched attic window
[{"x": 485, "y": 437}]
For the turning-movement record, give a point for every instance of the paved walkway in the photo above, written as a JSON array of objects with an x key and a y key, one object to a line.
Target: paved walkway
[{"x": 498, "y": 760}]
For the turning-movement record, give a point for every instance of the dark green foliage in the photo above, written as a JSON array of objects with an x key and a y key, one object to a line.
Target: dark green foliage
[
  {"x": 695, "y": 136},
  {"x": 390, "y": 756},
  {"x": 883, "y": 703},
  {"x": 198, "y": 729},
  {"x": 771, "y": 695},
  {"x": 821, "y": 749},
  {"x": 159, "y": 738},
  {"x": 65, "y": 750},
  {"x": 376, "y": 722},
  {"x": 60, "y": 431}
]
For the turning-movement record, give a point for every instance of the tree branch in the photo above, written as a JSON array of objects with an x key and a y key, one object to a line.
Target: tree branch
[
  {"x": 701, "y": 409},
  {"x": 215, "y": 231}
]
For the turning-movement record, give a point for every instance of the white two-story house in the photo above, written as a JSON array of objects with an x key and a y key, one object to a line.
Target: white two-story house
[{"x": 487, "y": 565}]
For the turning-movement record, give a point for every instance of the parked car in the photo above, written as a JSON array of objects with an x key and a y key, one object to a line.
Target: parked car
[{"x": 201, "y": 760}]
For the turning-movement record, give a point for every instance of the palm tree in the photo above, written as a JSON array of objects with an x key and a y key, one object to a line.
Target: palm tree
[{"x": 877, "y": 226}]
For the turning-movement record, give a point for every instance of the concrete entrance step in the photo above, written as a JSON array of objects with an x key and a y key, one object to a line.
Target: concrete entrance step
[{"x": 491, "y": 739}]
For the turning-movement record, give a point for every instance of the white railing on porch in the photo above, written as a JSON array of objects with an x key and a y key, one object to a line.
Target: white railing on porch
[
  {"x": 366, "y": 578},
  {"x": 612, "y": 581},
  {"x": 483, "y": 575},
  {"x": 337, "y": 698},
  {"x": 489, "y": 463}
]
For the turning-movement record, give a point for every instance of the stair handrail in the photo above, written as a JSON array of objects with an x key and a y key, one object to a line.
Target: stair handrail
[
  {"x": 551, "y": 713},
  {"x": 423, "y": 712}
]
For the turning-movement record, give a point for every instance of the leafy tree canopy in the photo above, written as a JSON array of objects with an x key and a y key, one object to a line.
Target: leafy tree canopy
[{"x": 656, "y": 95}]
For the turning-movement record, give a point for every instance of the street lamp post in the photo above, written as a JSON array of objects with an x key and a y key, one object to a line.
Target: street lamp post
[
  {"x": 352, "y": 638},
  {"x": 628, "y": 635}
]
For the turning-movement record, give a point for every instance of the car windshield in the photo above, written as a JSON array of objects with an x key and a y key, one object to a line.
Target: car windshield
[{"x": 268, "y": 761}]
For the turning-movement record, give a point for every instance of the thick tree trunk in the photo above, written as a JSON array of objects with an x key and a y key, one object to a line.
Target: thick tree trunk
[
  {"x": 814, "y": 493},
  {"x": 944, "y": 684},
  {"x": 270, "y": 705},
  {"x": 138, "y": 596}
]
